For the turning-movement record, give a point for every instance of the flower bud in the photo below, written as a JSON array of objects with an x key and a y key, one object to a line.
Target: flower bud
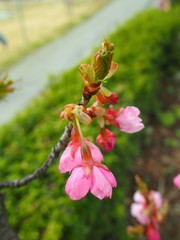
[
  {"x": 103, "y": 60},
  {"x": 106, "y": 139},
  {"x": 152, "y": 233}
]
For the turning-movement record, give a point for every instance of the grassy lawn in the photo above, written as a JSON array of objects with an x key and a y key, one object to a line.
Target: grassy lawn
[{"x": 34, "y": 23}]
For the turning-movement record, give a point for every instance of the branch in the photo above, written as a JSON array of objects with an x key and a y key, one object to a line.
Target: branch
[
  {"x": 52, "y": 156},
  {"x": 38, "y": 172},
  {"x": 6, "y": 232}
]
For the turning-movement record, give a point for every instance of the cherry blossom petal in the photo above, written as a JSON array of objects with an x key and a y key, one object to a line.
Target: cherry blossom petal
[
  {"x": 66, "y": 161},
  {"x": 139, "y": 198},
  {"x": 109, "y": 176},
  {"x": 78, "y": 184},
  {"x": 100, "y": 186},
  {"x": 138, "y": 211},
  {"x": 96, "y": 153}
]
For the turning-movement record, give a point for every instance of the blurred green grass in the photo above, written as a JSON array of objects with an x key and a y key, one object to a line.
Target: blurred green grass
[{"x": 146, "y": 50}]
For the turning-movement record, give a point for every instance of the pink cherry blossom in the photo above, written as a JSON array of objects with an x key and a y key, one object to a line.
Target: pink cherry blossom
[
  {"x": 100, "y": 182},
  {"x": 71, "y": 156},
  {"x": 106, "y": 139},
  {"x": 126, "y": 120},
  {"x": 176, "y": 181},
  {"x": 129, "y": 121},
  {"x": 140, "y": 209},
  {"x": 152, "y": 233}
]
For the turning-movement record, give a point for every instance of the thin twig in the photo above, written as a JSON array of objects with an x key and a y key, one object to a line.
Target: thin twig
[{"x": 38, "y": 172}]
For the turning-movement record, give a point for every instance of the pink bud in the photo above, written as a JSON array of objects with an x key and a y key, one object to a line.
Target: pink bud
[
  {"x": 152, "y": 233},
  {"x": 62, "y": 115},
  {"x": 176, "y": 181},
  {"x": 106, "y": 139}
]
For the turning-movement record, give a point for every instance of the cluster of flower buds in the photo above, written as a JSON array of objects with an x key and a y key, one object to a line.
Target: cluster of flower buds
[
  {"x": 81, "y": 157},
  {"x": 149, "y": 209}
]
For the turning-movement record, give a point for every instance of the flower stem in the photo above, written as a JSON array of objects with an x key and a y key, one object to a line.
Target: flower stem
[{"x": 79, "y": 130}]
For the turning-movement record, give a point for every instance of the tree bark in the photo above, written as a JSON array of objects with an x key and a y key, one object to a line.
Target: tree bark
[{"x": 6, "y": 232}]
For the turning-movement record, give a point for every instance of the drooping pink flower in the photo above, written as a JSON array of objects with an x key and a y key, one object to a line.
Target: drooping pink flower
[
  {"x": 100, "y": 182},
  {"x": 176, "y": 181},
  {"x": 152, "y": 233},
  {"x": 83, "y": 159},
  {"x": 71, "y": 156},
  {"x": 141, "y": 209},
  {"x": 106, "y": 139},
  {"x": 126, "y": 120}
]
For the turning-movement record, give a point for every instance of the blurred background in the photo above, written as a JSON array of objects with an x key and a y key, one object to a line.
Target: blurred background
[
  {"x": 42, "y": 45},
  {"x": 27, "y": 24}
]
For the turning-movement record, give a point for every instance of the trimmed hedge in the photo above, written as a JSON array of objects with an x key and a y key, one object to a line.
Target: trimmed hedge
[{"x": 144, "y": 48}]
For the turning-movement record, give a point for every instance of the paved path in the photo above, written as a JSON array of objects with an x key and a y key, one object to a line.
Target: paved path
[{"x": 64, "y": 52}]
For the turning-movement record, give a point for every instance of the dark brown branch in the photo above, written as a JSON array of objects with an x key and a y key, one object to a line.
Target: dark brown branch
[
  {"x": 38, "y": 172},
  {"x": 6, "y": 232}
]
